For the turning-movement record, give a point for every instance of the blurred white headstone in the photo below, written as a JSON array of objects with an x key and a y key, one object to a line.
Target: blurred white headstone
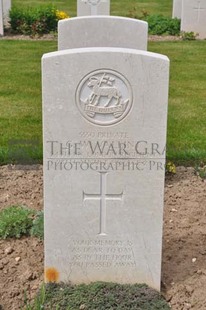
[
  {"x": 194, "y": 17},
  {"x": 93, "y": 7},
  {"x": 1, "y": 19},
  {"x": 106, "y": 31},
  {"x": 177, "y": 9},
  {"x": 6, "y": 8}
]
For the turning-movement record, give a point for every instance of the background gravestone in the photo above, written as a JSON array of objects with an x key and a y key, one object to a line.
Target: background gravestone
[
  {"x": 194, "y": 17},
  {"x": 106, "y": 31},
  {"x": 6, "y": 9},
  {"x": 177, "y": 9},
  {"x": 1, "y": 19},
  {"x": 105, "y": 118},
  {"x": 93, "y": 7}
]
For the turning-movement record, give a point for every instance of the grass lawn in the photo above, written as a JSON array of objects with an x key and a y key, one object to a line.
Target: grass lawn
[
  {"x": 118, "y": 7},
  {"x": 187, "y": 104},
  {"x": 20, "y": 93},
  {"x": 20, "y": 97}
]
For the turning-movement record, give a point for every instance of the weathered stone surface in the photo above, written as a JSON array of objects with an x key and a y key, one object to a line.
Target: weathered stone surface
[
  {"x": 105, "y": 116},
  {"x": 93, "y": 7},
  {"x": 177, "y": 9},
  {"x": 1, "y": 19},
  {"x": 6, "y": 8},
  {"x": 194, "y": 17},
  {"x": 102, "y": 31}
]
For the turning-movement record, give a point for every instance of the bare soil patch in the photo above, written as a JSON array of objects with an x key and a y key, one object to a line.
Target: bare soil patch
[
  {"x": 8, "y": 35},
  {"x": 53, "y": 36},
  {"x": 184, "y": 241}
]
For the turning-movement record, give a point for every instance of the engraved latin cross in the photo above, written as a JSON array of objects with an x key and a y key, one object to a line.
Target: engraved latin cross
[
  {"x": 102, "y": 198},
  {"x": 94, "y": 5},
  {"x": 199, "y": 9}
]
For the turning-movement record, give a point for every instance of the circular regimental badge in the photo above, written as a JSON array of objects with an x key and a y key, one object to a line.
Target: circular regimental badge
[
  {"x": 94, "y": 2},
  {"x": 104, "y": 97}
]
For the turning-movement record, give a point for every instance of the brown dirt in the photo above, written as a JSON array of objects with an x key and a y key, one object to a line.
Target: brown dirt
[
  {"x": 52, "y": 37},
  {"x": 184, "y": 242},
  {"x": 11, "y": 36}
]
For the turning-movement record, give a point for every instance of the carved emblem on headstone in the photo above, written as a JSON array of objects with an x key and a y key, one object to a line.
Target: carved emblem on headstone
[
  {"x": 92, "y": 2},
  {"x": 104, "y": 97}
]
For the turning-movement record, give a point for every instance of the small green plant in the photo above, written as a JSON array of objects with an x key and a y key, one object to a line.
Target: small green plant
[
  {"x": 15, "y": 221},
  {"x": 34, "y": 21},
  {"x": 200, "y": 170},
  {"x": 37, "y": 229},
  {"x": 38, "y": 302},
  {"x": 188, "y": 36},
  {"x": 159, "y": 24},
  {"x": 98, "y": 295}
]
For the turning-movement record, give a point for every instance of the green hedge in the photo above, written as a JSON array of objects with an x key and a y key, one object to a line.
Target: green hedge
[
  {"x": 33, "y": 21},
  {"x": 159, "y": 24}
]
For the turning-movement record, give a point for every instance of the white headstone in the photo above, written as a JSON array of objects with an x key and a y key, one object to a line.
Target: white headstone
[
  {"x": 93, "y": 7},
  {"x": 177, "y": 9},
  {"x": 105, "y": 119},
  {"x": 106, "y": 31},
  {"x": 1, "y": 19},
  {"x": 6, "y": 8},
  {"x": 194, "y": 17}
]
